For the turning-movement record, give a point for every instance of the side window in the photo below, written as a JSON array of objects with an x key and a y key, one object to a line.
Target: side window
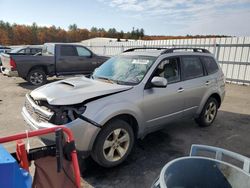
[
  {"x": 169, "y": 69},
  {"x": 210, "y": 64},
  {"x": 33, "y": 51},
  {"x": 21, "y": 51},
  {"x": 27, "y": 50},
  {"x": 68, "y": 51},
  {"x": 83, "y": 51},
  {"x": 191, "y": 67}
]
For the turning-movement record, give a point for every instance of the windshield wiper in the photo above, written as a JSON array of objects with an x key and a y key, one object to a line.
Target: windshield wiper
[
  {"x": 105, "y": 78},
  {"x": 120, "y": 82}
]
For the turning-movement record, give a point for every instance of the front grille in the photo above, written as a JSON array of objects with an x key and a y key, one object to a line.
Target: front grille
[{"x": 35, "y": 113}]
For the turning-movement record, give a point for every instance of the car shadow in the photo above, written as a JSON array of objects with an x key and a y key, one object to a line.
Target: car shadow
[
  {"x": 143, "y": 165},
  {"x": 27, "y": 85}
]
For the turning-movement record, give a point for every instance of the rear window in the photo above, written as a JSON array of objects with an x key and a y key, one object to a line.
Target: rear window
[
  {"x": 68, "y": 51},
  {"x": 191, "y": 67},
  {"x": 210, "y": 64},
  {"x": 48, "y": 49}
]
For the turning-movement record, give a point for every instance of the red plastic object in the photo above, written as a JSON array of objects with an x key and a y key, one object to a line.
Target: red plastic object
[
  {"x": 39, "y": 132},
  {"x": 12, "y": 64},
  {"x": 22, "y": 155}
]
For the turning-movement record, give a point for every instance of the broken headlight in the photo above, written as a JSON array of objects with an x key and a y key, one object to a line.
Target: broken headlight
[{"x": 67, "y": 114}]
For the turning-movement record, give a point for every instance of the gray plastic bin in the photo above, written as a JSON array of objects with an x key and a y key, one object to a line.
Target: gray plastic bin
[{"x": 203, "y": 172}]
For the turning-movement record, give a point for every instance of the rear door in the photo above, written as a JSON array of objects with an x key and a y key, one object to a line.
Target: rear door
[
  {"x": 73, "y": 59},
  {"x": 196, "y": 83}
]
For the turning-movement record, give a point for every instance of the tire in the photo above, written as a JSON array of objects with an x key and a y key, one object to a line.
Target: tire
[
  {"x": 37, "y": 77},
  {"x": 118, "y": 136},
  {"x": 208, "y": 113}
]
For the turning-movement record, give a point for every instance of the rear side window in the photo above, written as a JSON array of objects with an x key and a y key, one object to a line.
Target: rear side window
[
  {"x": 210, "y": 64},
  {"x": 191, "y": 67},
  {"x": 68, "y": 51}
]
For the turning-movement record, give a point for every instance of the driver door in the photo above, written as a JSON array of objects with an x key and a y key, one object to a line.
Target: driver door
[{"x": 163, "y": 105}]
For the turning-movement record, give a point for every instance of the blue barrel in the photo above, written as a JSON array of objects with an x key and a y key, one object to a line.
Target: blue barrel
[{"x": 11, "y": 175}]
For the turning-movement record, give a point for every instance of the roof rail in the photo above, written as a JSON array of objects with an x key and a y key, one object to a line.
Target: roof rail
[
  {"x": 144, "y": 48},
  {"x": 171, "y": 50}
]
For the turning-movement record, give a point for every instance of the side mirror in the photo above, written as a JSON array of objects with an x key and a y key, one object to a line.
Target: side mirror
[
  {"x": 159, "y": 81},
  {"x": 90, "y": 55}
]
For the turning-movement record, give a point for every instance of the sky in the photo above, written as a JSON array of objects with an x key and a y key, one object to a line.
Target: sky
[{"x": 156, "y": 17}]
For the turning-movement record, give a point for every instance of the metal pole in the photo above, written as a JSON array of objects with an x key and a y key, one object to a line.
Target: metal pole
[
  {"x": 104, "y": 50},
  {"x": 229, "y": 56},
  {"x": 235, "y": 53},
  {"x": 223, "y": 55},
  {"x": 240, "y": 60},
  {"x": 248, "y": 57}
]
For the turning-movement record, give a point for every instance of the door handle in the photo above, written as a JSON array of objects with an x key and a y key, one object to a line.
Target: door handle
[
  {"x": 208, "y": 82},
  {"x": 180, "y": 90}
]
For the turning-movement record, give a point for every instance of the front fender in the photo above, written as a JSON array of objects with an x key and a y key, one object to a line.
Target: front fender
[{"x": 113, "y": 110}]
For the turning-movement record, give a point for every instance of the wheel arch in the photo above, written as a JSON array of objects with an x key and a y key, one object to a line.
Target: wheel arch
[
  {"x": 203, "y": 102},
  {"x": 217, "y": 97},
  {"x": 130, "y": 119},
  {"x": 44, "y": 68}
]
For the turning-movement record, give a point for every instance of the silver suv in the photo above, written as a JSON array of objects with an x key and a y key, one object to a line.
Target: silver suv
[{"x": 129, "y": 96}]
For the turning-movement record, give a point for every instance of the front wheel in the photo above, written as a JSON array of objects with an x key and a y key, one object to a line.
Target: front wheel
[
  {"x": 208, "y": 113},
  {"x": 37, "y": 77},
  {"x": 113, "y": 144}
]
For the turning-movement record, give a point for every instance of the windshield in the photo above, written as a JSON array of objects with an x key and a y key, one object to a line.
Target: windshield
[{"x": 126, "y": 70}]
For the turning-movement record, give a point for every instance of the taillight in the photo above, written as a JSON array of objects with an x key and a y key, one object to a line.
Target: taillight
[{"x": 12, "y": 63}]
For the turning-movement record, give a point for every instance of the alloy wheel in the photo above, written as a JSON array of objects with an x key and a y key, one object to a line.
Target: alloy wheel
[
  {"x": 116, "y": 145},
  {"x": 210, "y": 112},
  {"x": 36, "y": 78}
]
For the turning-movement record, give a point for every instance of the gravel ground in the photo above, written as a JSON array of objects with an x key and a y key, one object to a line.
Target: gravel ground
[{"x": 230, "y": 131}]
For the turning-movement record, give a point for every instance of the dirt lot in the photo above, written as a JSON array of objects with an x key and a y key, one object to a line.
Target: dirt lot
[{"x": 230, "y": 130}]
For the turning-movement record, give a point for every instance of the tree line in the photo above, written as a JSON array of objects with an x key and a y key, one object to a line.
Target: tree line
[{"x": 16, "y": 34}]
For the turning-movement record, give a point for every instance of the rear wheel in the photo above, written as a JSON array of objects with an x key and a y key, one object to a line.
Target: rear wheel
[
  {"x": 208, "y": 113},
  {"x": 113, "y": 144},
  {"x": 37, "y": 77}
]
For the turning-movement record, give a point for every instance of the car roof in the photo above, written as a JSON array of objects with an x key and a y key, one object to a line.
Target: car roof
[
  {"x": 170, "y": 51},
  {"x": 61, "y": 43},
  {"x": 153, "y": 53},
  {"x": 4, "y": 47}
]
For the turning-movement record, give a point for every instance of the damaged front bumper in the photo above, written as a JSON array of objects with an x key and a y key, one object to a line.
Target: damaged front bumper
[{"x": 84, "y": 132}]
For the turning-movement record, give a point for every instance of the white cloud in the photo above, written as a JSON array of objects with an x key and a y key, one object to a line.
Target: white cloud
[{"x": 199, "y": 14}]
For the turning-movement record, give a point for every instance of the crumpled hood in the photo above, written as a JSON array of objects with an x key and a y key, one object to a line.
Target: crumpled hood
[{"x": 75, "y": 90}]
